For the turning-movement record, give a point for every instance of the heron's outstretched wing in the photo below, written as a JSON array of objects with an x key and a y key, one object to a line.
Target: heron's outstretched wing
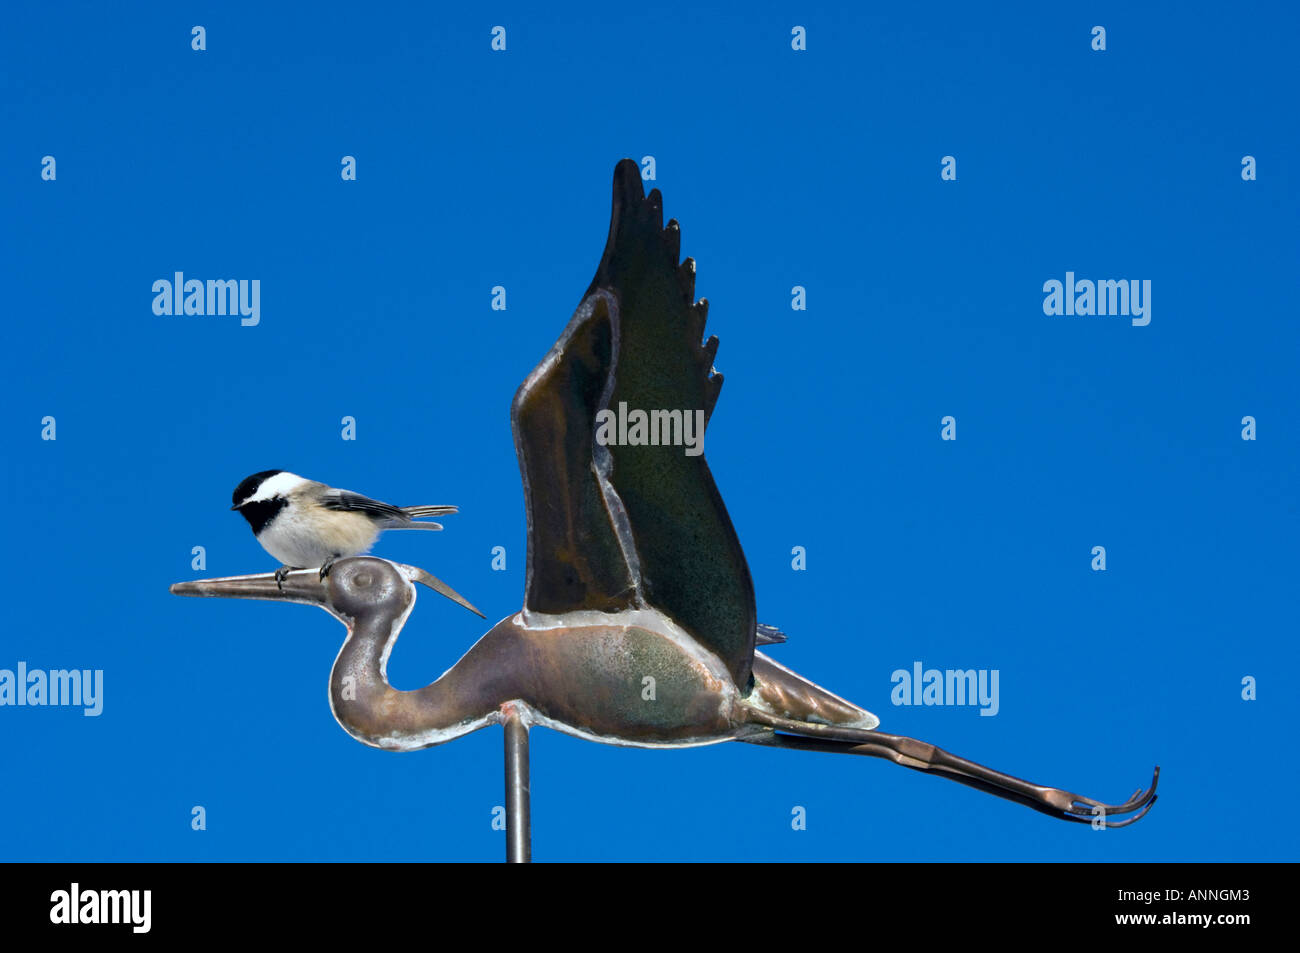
[
  {"x": 633, "y": 520},
  {"x": 575, "y": 560}
]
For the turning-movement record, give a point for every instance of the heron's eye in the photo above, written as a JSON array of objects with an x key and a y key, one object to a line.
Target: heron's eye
[{"x": 363, "y": 580}]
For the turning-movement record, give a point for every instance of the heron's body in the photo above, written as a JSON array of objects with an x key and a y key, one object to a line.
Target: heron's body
[{"x": 630, "y": 678}]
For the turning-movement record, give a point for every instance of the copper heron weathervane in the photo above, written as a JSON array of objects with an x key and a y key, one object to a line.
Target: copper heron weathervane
[{"x": 634, "y": 571}]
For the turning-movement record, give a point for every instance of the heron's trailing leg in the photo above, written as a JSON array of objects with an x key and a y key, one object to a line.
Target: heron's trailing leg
[{"x": 923, "y": 756}]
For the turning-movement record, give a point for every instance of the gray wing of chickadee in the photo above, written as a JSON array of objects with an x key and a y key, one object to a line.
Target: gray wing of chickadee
[{"x": 385, "y": 515}]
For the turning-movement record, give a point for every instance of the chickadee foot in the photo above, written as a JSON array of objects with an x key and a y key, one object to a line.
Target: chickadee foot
[
  {"x": 326, "y": 566},
  {"x": 280, "y": 574}
]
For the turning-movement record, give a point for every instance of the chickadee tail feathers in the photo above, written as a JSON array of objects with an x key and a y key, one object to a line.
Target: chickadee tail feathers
[
  {"x": 415, "y": 512},
  {"x": 408, "y": 524}
]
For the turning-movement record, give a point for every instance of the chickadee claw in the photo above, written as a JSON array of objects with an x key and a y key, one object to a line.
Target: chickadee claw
[
  {"x": 326, "y": 566},
  {"x": 279, "y": 576}
]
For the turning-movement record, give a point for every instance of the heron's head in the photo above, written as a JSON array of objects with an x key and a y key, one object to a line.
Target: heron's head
[{"x": 360, "y": 586}]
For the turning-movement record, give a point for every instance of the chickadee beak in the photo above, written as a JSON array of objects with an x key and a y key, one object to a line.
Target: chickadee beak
[{"x": 304, "y": 585}]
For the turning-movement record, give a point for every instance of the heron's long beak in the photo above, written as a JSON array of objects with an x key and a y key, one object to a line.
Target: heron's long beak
[{"x": 303, "y": 585}]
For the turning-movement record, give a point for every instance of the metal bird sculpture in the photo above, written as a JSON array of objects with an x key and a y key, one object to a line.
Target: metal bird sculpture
[{"x": 634, "y": 570}]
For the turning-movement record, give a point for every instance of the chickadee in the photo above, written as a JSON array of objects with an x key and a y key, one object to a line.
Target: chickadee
[{"x": 303, "y": 523}]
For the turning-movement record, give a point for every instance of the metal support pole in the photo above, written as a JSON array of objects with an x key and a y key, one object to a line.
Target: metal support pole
[{"x": 519, "y": 847}]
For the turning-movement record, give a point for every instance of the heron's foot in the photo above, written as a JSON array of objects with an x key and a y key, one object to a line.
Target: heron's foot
[
  {"x": 326, "y": 566},
  {"x": 1086, "y": 810},
  {"x": 280, "y": 574}
]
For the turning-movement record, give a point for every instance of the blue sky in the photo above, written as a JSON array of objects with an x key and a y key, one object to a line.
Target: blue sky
[{"x": 818, "y": 168}]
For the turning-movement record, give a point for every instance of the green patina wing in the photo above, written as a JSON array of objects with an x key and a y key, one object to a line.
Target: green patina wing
[{"x": 624, "y": 524}]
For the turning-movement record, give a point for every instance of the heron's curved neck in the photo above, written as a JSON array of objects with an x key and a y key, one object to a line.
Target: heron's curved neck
[{"x": 375, "y": 713}]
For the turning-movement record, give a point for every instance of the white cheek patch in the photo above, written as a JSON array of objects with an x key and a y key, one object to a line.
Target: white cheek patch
[{"x": 279, "y": 485}]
